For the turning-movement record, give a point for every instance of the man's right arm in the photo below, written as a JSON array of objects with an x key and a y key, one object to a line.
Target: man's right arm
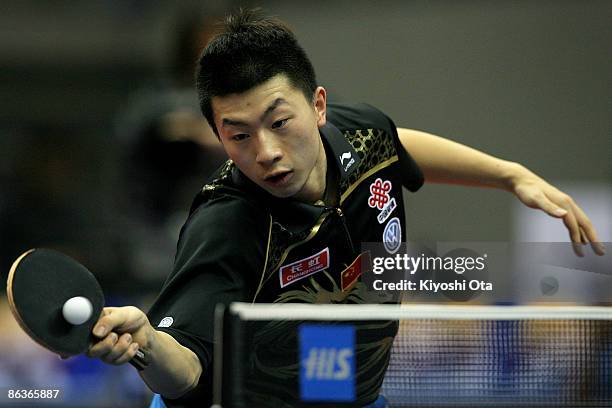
[{"x": 173, "y": 369}]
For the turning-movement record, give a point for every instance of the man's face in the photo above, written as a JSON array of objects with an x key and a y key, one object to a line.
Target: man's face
[{"x": 271, "y": 132}]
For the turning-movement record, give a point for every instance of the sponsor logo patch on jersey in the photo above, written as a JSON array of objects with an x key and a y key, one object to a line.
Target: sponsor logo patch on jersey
[
  {"x": 392, "y": 235},
  {"x": 166, "y": 322},
  {"x": 304, "y": 267},
  {"x": 350, "y": 275},
  {"x": 348, "y": 157},
  {"x": 327, "y": 362},
  {"x": 386, "y": 211},
  {"x": 379, "y": 191}
]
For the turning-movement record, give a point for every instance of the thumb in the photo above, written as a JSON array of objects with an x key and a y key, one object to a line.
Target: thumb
[
  {"x": 120, "y": 319},
  {"x": 551, "y": 208}
]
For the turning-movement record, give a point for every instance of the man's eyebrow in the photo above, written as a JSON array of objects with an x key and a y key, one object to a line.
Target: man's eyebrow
[
  {"x": 231, "y": 122},
  {"x": 273, "y": 105},
  {"x": 269, "y": 110}
]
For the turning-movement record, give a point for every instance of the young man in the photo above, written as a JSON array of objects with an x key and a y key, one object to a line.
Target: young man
[{"x": 283, "y": 221}]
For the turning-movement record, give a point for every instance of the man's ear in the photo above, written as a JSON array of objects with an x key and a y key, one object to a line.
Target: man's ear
[{"x": 320, "y": 105}]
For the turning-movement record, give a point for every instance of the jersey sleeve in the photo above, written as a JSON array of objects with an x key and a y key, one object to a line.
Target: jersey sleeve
[
  {"x": 412, "y": 176},
  {"x": 346, "y": 116},
  {"x": 219, "y": 259}
]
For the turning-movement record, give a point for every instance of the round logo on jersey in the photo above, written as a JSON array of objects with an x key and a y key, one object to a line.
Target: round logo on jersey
[
  {"x": 166, "y": 322},
  {"x": 392, "y": 235}
]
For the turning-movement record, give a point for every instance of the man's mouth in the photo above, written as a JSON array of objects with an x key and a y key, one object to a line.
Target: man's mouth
[{"x": 278, "y": 178}]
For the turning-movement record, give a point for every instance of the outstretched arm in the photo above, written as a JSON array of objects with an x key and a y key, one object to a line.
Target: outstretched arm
[{"x": 445, "y": 161}]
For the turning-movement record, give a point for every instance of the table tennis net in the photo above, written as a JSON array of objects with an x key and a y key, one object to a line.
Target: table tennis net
[{"x": 479, "y": 356}]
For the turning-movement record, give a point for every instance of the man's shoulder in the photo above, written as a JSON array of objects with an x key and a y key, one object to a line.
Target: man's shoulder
[
  {"x": 225, "y": 217},
  {"x": 348, "y": 116},
  {"x": 225, "y": 188},
  {"x": 224, "y": 202}
]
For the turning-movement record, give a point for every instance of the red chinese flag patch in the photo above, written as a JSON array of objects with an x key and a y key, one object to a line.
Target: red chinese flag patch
[{"x": 354, "y": 270}]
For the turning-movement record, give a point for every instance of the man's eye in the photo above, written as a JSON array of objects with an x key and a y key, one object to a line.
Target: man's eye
[
  {"x": 280, "y": 123},
  {"x": 239, "y": 137}
]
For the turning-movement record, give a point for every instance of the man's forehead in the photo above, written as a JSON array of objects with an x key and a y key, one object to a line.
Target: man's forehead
[
  {"x": 274, "y": 93},
  {"x": 229, "y": 119}
]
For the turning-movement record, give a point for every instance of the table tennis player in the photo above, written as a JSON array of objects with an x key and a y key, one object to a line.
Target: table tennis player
[{"x": 283, "y": 220}]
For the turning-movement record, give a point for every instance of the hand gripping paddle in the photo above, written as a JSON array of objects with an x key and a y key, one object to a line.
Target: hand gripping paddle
[{"x": 41, "y": 286}]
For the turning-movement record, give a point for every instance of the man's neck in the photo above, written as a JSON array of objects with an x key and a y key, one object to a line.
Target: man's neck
[{"x": 315, "y": 187}]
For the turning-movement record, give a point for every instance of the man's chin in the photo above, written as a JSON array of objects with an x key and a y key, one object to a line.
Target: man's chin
[
  {"x": 281, "y": 193},
  {"x": 290, "y": 191}
]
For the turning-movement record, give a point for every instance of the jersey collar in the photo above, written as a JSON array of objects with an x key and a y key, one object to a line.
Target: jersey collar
[{"x": 346, "y": 158}]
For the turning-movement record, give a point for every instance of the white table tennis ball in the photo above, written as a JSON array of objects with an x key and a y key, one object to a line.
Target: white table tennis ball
[{"x": 77, "y": 310}]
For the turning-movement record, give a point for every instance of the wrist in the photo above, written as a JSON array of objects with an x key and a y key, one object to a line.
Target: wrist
[
  {"x": 511, "y": 175},
  {"x": 151, "y": 338}
]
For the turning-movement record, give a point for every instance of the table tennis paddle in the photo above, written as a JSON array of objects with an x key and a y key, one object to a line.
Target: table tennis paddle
[{"x": 40, "y": 283}]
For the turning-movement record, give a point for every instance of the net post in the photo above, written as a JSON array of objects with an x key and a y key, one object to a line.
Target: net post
[
  {"x": 228, "y": 384},
  {"x": 218, "y": 357}
]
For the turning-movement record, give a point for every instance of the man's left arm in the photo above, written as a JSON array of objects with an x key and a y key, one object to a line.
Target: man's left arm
[{"x": 444, "y": 161}]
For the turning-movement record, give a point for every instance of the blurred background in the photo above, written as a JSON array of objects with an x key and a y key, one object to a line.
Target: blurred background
[{"x": 102, "y": 145}]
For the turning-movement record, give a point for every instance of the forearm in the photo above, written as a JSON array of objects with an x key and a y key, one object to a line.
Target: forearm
[
  {"x": 445, "y": 161},
  {"x": 173, "y": 369}
]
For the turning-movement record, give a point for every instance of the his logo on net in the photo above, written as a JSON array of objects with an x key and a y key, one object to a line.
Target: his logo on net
[{"x": 327, "y": 362}]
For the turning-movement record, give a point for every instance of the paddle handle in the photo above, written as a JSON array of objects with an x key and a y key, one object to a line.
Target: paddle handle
[{"x": 140, "y": 360}]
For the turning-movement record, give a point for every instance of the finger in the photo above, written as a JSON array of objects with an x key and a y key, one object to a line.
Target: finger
[
  {"x": 583, "y": 237},
  {"x": 104, "y": 346},
  {"x": 106, "y": 323},
  {"x": 596, "y": 246},
  {"x": 578, "y": 249},
  {"x": 599, "y": 248},
  {"x": 589, "y": 234},
  {"x": 128, "y": 355},
  {"x": 119, "y": 349},
  {"x": 574, "y": 232}
]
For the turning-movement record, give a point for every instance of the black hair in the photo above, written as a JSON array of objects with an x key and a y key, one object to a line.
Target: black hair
[{"x": 246, "y": 53}]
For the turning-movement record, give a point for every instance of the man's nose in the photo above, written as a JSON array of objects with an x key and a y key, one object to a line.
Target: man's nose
[{"x": 268, "y": 149}]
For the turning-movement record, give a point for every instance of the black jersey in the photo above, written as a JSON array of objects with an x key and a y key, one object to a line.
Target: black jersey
[{"x": 242, "y": 244}]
